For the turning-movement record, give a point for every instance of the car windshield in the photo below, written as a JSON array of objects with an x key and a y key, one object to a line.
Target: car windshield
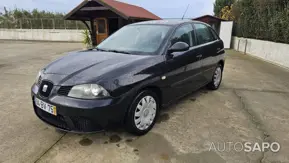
[{"x": 136, "y": 39}]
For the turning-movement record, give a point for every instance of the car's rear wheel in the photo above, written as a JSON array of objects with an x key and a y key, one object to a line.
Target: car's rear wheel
[
  {"x": 142, "y": 113},
  {"x": 217, "y": 78}
]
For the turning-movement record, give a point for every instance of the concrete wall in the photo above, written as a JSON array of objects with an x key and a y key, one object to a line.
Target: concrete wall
[
  {"x": 273, "y": 52},
  {"x": 41, "y": 34}
]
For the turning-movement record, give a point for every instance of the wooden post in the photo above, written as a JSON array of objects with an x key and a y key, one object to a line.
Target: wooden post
[
  {"x": 93, "y": 33},
  {"x": 120, "y": 22}
]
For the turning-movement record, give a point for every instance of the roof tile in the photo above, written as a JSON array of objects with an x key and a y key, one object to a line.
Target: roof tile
[{"x": 131, "y": 11}]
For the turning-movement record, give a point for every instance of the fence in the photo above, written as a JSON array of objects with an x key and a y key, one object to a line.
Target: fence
[
  {"x": 41, "y": 23},
  {"x": 71, "y": 35}
]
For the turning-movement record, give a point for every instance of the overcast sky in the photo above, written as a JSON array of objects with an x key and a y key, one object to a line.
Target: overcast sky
[{"x": 162, "y": 8}]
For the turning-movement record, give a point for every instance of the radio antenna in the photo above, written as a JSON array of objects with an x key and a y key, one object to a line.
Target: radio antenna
[{"x": 186, "y": 11}]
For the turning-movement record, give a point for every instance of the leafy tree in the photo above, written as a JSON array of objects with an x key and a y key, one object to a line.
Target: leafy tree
[
  {"x": 227, "y": 13},
  {"x": 220, "y": 4}
]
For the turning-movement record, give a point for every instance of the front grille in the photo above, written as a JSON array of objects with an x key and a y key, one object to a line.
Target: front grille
[
  {"x": 64, "y": 90},
  {"x": 81, "y": 124},
  {"x": 45, "y": 92},
  {"x": 57, "y": 121},
  {"x": 85, "y": 124}
]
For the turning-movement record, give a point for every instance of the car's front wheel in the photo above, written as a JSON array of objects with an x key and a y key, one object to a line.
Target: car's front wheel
[
  {"x": 142, "y": 113},
  {"x": 216, "y": 78}
]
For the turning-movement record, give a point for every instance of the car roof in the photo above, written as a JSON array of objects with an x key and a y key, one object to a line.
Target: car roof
[{"x": 171, "y": 22}]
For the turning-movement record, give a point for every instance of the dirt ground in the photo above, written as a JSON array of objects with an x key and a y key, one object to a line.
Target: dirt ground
[{"x": 252, "y": 105}]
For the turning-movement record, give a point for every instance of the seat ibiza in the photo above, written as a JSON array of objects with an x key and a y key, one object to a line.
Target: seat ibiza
[{"x": 128, "y": 77}]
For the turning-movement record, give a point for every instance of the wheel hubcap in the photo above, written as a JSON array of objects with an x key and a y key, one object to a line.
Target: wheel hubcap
[
  {"x": 145, "y": 112},
  {"x": 217, "y": 77}
]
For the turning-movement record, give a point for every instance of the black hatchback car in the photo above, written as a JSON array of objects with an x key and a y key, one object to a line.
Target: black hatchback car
[{"x": 128, "y": 77}]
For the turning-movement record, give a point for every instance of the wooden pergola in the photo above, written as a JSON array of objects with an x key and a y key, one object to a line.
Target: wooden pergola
[{"x": 122, "y": 13}]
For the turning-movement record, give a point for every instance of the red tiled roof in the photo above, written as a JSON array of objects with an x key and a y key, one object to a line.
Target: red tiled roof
[{"x": 130, "y": 11}]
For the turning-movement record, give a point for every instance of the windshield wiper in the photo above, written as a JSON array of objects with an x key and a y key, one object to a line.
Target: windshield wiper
[
  {"x": 115, "y": 51},
  {"x": 103, "y": 50},
  {"x": 119, "y": 51}
]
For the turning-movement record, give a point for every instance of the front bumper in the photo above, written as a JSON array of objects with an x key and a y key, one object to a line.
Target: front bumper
[{"x": 79, "y": 115}]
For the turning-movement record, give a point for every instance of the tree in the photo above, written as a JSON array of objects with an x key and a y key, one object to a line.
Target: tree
[
  {"x": 227, "y": 13},
  {"x": 220, "y": 4}
]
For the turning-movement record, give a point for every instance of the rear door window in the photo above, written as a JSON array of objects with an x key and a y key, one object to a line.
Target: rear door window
[{"x": 204, "y": 35}]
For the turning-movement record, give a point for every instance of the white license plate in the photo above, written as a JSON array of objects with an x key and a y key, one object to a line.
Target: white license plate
[{"x": 45, "y": 106}]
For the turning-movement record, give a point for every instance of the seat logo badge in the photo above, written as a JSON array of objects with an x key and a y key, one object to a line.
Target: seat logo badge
[
  {"x": 44, "y": 89},
  {"x": 164, "y": 77}
]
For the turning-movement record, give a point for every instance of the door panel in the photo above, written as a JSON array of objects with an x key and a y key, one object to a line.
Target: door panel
[
  {"x": 174, "y": 73},
  {"x": 192, "y": 74},
  {"x": 213, "y": 54},
  {"x": 209, "y": 60},
  {"x": 101, "y": 29},
  {"x": 182, "y": 74}
]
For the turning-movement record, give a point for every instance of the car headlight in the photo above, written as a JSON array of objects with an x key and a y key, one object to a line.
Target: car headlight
[
  {"x": 38, "y": 76},
  {"x": 88, "y": 91}
]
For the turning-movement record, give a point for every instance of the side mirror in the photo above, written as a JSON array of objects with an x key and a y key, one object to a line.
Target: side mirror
[{"x": 179, "y": 47}]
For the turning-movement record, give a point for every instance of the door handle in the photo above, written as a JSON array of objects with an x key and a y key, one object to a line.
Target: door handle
[{"x": 199, "y": 56}]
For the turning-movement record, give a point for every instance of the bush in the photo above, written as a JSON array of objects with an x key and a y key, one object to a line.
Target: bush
[
  {"x": 262, "y": 19},
  {"x": 86, "y": 38}
]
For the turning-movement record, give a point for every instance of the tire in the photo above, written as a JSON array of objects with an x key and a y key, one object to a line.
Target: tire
[
  {"x": 216, "y": 78},
  {"x": 139, "y": 119}
]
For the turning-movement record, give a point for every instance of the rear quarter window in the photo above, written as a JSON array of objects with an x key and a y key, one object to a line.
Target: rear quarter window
[{"x": 216, "y": 36}]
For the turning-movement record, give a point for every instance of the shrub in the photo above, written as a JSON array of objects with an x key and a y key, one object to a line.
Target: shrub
[
  {"x": 262, "y": 19},
  {"x": 86, "y": 38}
]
